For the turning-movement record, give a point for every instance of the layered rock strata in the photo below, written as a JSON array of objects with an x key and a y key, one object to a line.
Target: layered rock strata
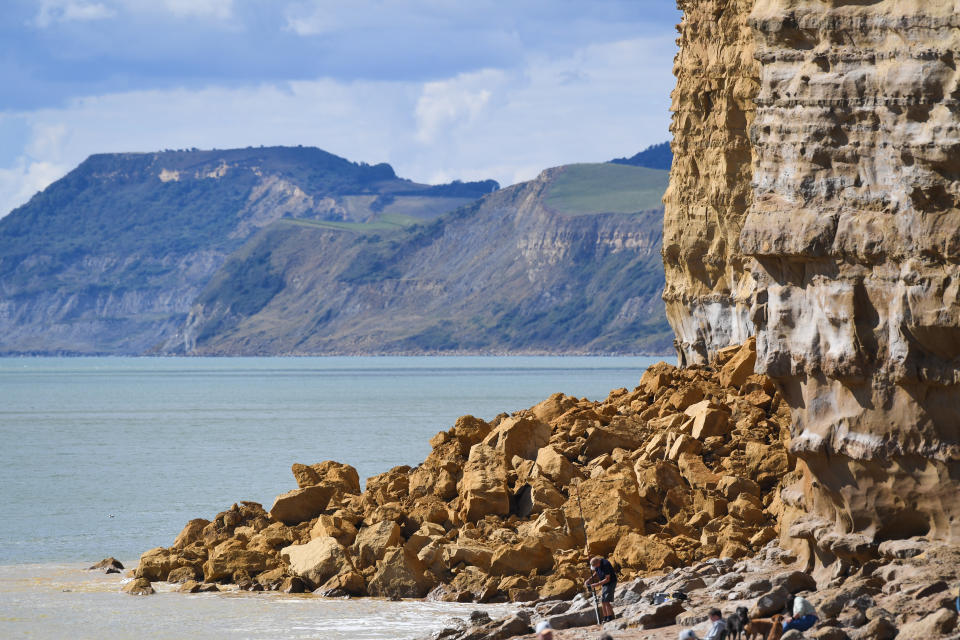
[
  {"x": 708, "y": 288},
  {"x": 853, "y": 230},
  {"x": 851, "y": 237},
  {"x": 686, "y": 466}
]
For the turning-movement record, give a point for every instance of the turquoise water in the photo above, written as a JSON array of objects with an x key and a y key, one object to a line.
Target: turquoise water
[{"x": 112, "y": 456}]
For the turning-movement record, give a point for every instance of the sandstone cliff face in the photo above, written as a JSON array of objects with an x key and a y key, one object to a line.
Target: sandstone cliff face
[
  {"x": 851, "y": 237},
  {"x": 854, "y": 229},
  {"x": 708, "y": 290}
]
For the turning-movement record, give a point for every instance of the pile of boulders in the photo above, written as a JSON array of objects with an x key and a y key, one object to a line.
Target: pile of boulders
[
  {"x": 904, "y": 594},
  {"x": 685, "y": 467}
]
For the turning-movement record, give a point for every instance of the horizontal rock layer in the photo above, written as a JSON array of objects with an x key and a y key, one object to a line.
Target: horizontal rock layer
[
  {"x": 708, "y": 288},
  {"x": 850, "y": 235}
]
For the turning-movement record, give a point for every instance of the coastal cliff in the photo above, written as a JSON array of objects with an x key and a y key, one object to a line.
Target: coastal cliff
[
  {"x": 708, "y": 288},
  {"x": 568, "y": 262},
  {"x": 292, "y": 250},
  {"x": 842, "y": 242}
]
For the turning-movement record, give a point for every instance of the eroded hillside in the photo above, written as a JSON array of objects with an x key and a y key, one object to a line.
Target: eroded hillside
[{"x": 568, "y": 262}]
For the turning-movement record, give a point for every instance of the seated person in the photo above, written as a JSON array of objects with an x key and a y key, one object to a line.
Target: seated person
[
  {"x": 717, "y": 631},
  {"x": 800, "y": 614}
]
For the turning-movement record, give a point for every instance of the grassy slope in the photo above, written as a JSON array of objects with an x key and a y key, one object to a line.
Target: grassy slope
[{"x": 606, "y": 188}]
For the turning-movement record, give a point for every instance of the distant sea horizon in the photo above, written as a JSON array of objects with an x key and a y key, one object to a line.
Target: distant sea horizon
[{"x": 124, "y": 450}]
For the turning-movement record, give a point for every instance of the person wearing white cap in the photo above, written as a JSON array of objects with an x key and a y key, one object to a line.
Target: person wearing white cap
[{"x": 544, "y": 630}]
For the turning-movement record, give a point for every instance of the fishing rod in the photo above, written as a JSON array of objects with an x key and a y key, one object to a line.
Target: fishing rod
[{"x": 586, "y": 547}]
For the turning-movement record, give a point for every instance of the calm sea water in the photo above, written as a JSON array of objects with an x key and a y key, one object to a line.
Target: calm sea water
[{"x": 112, "y": 456}]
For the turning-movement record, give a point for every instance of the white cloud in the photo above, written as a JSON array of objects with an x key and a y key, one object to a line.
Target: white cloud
[
  {"x": 598, "y": 103},
  {"x": 53, "y": 11},
  {"x": 20, "y": 182},
  {"x": 219, "y": 9},
  {"x": 449, "y": 102}
]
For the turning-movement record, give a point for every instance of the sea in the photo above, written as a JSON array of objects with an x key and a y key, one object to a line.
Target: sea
[{"x": 112, "y": 456}]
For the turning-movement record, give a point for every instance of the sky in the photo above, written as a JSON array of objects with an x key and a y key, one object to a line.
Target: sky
[{"x": 440, "y": 89}]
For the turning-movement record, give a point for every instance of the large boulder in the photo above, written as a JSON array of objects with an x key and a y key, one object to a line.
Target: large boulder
[
  {"x": 139, "y": 587},
  {"x": 334, "y": 527},
  {"x": 223, "y": 565},
  {"x": 521, "y": 559},
  {"x": 399, "y": 575},
  {"x": 601, "y": 440},
  {"x": 937, "y": 624},
  {"x": 519, "y": 436},
  {"x": 695, "y": 472},
  {"x": 740, "y": 367},
  {"x": 341, "y": 477},
  {"x": 611, "y": 507},
  {"x": 555, "y": 466},
  {"x": 317, "y": 561},
  {"x": 156, "y": 564},
  {"x": 191, "y": 533},
  {"x": 483, "y": 487},
  {"x": 301, "y": 505},
  {"x": 108, "y": 565},
  {"x": 470, "y": 553},
  {"x": 537, "y": 495},
  {"x": 770, "y": 603},
  {"x": 709, "y": 420},
  {"x": 644, "y": 553},
  {"x": 373, "y": 541},
  {"x": 553, "y": 407}
]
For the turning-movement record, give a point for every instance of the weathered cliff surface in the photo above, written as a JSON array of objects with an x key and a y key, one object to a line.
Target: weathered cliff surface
[
  {"x": 854, "y": 229},
  {"x": 708, "y": 290},
  {"x": 850, "y": 233}
]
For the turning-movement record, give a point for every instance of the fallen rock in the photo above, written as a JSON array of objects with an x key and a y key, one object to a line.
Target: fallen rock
[
  {"x": 635, "y": 550},
  {"x": 484, "y": 485},
  {"x": 519, "y": 436},
  {"x": 936, "y": 624},
  {"x": 107, "y": 565},
  {"x": 653, "y": 616},
  {"x": 572, "y": 619},
  {"x": 795, "y": 581},
  {"x": 770, "y": 603},
  {"x": 190, "y": 533},
  {"x": 877, "y": 629},
  {"x": 222, "y": 565},
  {"x": 399, "y": 575},
  {"x": 139, "y": 587},
  {"x": 301, "y": 505},
  {"x": 182, "y": 574},
  {"x": 317, "y": 561},
  {"x": 373, "y": 541},
  {"x": 555, "y": 466},
  {"x": 740, "y": 367}
]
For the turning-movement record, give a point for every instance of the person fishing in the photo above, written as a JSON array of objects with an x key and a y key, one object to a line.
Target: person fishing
[{"x": 603, "y": 576}]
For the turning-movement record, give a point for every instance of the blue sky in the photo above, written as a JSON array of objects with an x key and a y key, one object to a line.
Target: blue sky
[{"x": 440, "y": 89}]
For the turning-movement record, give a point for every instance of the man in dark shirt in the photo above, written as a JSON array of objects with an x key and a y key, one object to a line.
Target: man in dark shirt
[{"x": 605, "y": 576}]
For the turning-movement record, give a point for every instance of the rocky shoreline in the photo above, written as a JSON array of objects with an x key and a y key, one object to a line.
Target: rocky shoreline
[
  {"x": 680, "y": 483},
  {"x": 686, "y": 466}
]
